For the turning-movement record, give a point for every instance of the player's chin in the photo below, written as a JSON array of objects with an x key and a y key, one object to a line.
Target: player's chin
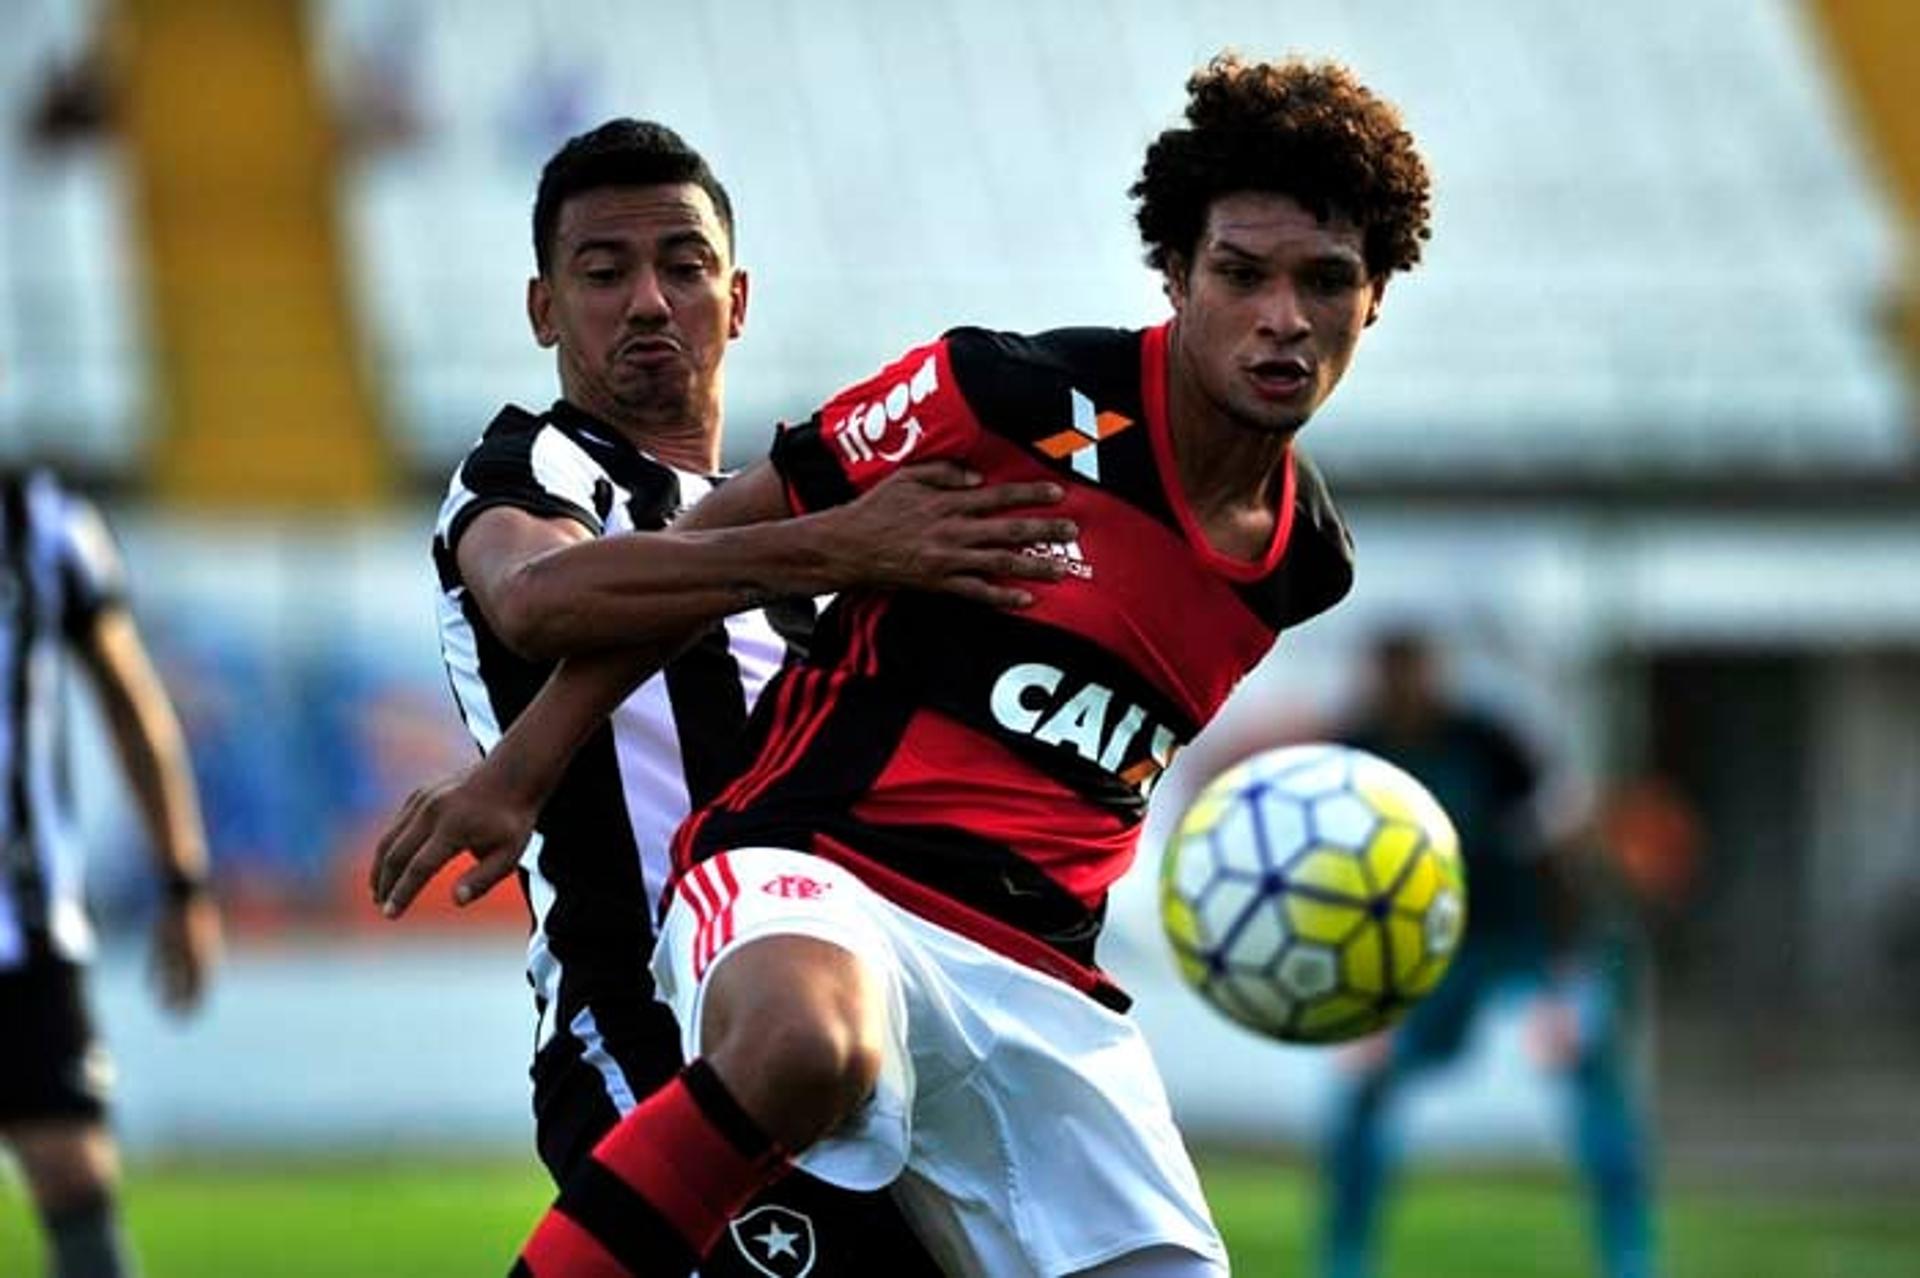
[
  {"x": 657, "y": 400},
  {"x": 1266, "y": 419}
]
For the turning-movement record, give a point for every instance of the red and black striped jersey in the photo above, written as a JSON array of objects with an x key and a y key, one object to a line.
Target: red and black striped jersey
[{"x": 989, "y": 768}]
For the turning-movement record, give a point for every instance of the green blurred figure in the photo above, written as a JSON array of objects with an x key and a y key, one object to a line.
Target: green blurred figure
[{"x": 1534, "y": 927}]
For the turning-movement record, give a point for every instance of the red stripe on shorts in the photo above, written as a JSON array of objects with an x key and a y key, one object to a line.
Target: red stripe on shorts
[
  {"x": 730, "y": 890},
  {"x": 721, "y": 890}
]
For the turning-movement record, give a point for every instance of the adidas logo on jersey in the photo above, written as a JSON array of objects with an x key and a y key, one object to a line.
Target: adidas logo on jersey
[{"x": 1063, "y": 552}]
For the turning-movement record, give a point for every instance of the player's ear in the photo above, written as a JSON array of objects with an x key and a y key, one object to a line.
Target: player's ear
[
  {"x": 1173, "y": 280},
  {"x": 737, "y": 303},
  {"x": 1378, "y": 291},
  {"x": 540, "y": 311}
]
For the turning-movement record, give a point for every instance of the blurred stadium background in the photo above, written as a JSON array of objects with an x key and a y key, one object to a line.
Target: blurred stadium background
[{"x": 1639, "y": 441}]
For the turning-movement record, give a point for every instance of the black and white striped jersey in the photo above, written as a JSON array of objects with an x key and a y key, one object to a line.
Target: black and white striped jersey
[
  {"x": 59, "y": 570},
  {"x": 599, "y": 858}
]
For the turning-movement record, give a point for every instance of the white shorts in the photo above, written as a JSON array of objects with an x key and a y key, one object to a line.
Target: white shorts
[{"x": 1023, "y": 1126}]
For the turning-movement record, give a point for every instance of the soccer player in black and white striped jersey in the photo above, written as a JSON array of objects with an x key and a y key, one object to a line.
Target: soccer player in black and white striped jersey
[
  {"x": 62, "y": 594},
  {"x": 549, "y": 544}
]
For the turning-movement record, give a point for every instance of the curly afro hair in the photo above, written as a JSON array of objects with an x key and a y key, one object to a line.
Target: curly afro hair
[{"x": 1308, "y": 130}]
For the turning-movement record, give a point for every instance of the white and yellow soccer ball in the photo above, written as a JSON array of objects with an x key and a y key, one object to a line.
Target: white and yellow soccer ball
[{"x": 1313, "y": 893}]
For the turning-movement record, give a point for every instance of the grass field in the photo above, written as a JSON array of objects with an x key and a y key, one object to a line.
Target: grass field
[{"x": 464, "y": 1219}]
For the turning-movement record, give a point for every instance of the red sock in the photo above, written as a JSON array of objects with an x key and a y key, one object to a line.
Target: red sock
[{"x": 659, "y": 1189}]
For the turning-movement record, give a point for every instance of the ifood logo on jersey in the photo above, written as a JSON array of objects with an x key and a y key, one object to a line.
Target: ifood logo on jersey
[
  {"x": 886, "y": 429},
  {"x": 1041, "y": 701}
]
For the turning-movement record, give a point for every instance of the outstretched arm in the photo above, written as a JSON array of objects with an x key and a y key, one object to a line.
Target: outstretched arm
[
  {"x": 550, "y": 589},
  {"x": 489, "y": 809},
  {"x": 931, "y": 527}
]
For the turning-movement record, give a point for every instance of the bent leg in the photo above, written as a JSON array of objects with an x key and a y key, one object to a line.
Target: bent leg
[
  {"x": 1612, "y": 1155},
  {"x": 789, "y": 1045},
  {"x": 1355, "y": 1169},
  {"x": 1357, "y": 1160},
  {"x": 613, "y": 1053},
  {"x": 795, "y": 1027},
  {"x": 1608, "y": 1131}
]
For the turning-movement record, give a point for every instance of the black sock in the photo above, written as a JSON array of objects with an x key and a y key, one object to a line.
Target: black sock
[{"x": 86, "y": 1242}]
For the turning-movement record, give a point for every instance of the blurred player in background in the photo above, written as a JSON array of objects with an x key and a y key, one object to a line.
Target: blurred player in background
[
  {"x": 548, "y": 546},
  {"x": 880, "y": 939},
  {"x": 1535, "y": 925},
  {"x": 61, "y": 594}
]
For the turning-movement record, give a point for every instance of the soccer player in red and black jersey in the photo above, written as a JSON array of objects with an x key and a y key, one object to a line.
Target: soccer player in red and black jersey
[{"x": 880, "y": 945}]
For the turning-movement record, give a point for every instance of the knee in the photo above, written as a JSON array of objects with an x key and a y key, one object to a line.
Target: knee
[
  {"x": 67, "y": 1168},
  {"x": 799, "y": 1044},
  {"x": 827, "y": 1064},
  {"x": 799, "y": 1074},
  {"x": 69, "y": 1189}
]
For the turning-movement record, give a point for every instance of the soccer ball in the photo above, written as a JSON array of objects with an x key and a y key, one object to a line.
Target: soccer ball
[{"x": 1313, "y": 892}]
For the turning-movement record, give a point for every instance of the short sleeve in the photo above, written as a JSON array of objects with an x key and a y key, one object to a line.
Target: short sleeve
[
  {"x": 524, "y": 463},
  {"x": 1325, "y": 565},
  {"x": 93, "y": 578},
  {"x": 911, "y": 411}
]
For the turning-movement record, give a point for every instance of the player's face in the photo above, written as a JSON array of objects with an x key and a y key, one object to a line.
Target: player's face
[
  {"x": 641, "y": 298},
  {"x": 1270, "y": 308},
  {"x": 1408, "y": 680}
]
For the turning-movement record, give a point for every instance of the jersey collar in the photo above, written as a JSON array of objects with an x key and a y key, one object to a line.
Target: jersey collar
[{"x": 1153, "y": 395}]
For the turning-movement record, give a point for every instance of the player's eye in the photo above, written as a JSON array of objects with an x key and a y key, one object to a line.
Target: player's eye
[
  {"x": 1333, "y": 278},
  {"x": 1239, "y": 275}
]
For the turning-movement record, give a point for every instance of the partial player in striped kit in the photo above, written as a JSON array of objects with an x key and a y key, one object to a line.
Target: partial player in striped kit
[
  {"x": 879, "y": 940},
  {"x": 549, "y": 544},
  {"x": 62, "y": 595}
]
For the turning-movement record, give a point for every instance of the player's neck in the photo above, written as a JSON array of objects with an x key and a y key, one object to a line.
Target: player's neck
[
  {"x": 693, "y": 446},
  {"x": 1230, "y": 474},
  {"x": 1409, "y": 722},
  {"x": 689, "y": 441}
]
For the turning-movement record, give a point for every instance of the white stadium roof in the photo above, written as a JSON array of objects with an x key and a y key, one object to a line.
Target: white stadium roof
[{"x": 1658, "y": 246}]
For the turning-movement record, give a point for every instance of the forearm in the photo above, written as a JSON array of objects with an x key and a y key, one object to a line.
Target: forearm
[
  {"x": 153, "y": 752},
  {"x": 654, "y": 588},
  {"x": 531, "y": 757},
  {"x": 146, "y": 735},
  {"x": 929, "y": 527}
]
